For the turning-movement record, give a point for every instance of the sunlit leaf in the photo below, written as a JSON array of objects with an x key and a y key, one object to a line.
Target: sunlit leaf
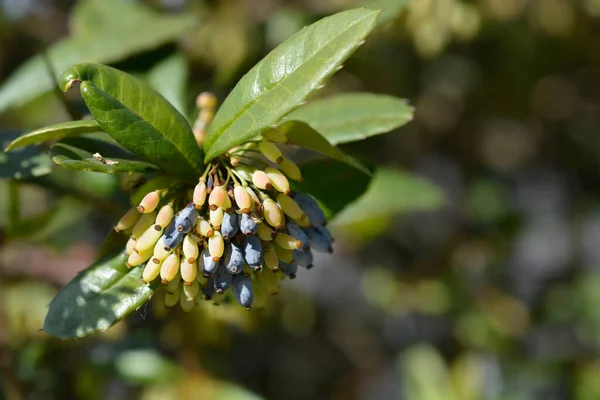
[
  {"x": 104, "y": 31},
  {"x": 354, "y": 116},
  {"x": 285, "y": 77},
  {"x": 138, "y": 118},
  {"x": 54, "y": 132},
  {"x": 83, "y": 154},
  {"x": 97, "y": 298},
  {"x": 302, "y": 135}
]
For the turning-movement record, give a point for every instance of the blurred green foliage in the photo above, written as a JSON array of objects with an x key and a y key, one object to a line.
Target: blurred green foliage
[{"x": 493, "y": 297}]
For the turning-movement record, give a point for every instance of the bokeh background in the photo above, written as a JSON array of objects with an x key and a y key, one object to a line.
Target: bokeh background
[{"x": 494, "y": 295}]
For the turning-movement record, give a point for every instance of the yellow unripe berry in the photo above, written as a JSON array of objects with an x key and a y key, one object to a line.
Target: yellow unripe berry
[
  {"x": 265, "y": 233},
  {"x": 172, "y": 298},
  {"x": 242, "y": 199},
  {"x": 159, "y": 254},
  {"x": 216, "y": 246},
  {"x": 204, "y": 228},
  {"x": 199, "y": 195},
  {"x": 148, "y": 239},
  {"x": 273, "y": 214},
  {"x": 206, "y": 100},
  {"x": 151, "y": 271},
  {"x": 188, "y": 271},
  {"x": 270, "y": 151},
  {"x": 270, "y": 257},
  {"x": 190, "y": 249},
  {"x": 145, "y": 222},
  {"x": 261, "y": 180},
  {"x": 287, "y": 241},
  {"x": 173, "y": 285},
  {"x": 290, "y": 207},
  {"x": 130, "y": 246},
  {"x": 274, "y": 136},
  {"x": 138, "y": 258},
  {"x": 278, "y": 180},
  {"x": 128, "y": 220},
  {"x": 149, "y": 202},
  {"x": 216, "y": 217},
  {"x": 290, "y": 169},
  {"x": 169, "y": 268},
  {"x": 164, "y": 216},
  {"x": 284, "y": 255},
  {"x": 254, "y": 197},
  {"x": 217, "y": 197},
  {"x": 191, "y": 291}
]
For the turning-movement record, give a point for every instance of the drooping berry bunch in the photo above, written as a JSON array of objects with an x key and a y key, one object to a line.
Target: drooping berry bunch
[{"x": 240, "y": 228}]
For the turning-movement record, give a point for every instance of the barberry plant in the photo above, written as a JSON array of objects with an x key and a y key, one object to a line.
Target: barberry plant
[{"x": 224, "y": 212}]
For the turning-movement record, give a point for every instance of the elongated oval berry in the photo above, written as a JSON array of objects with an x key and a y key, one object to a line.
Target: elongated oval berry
[
  {"x": 303, "y": 258},
  {"x": 242, "y": 199},
  {"x": 145, "y": 222},
  {"x": 227, "y": 206},
  {"x": 234, "y": 258},
  {"x": 290, "y": 207},
  {"x": 138, "y": 258},
  {"x": 222, "y": 280},
  {"x": 320, "y": 239},
  {"x": 148, "y": 239},
  {"x": 190, "y": 249},
  {"x": 297, "y": 232},
  {"x": 209, "y": 264},
  {"x": 151, "y": 271},
  {"x": 191, "y": 291},
  {"x": 270, "y": 257},
  {"x": 248, "y": 226},
  {"x": 253, "y": 251},
  {"x": 273, "y": 214},
  {"x": 186, "y": 219},
  {"x": 274, "y": 136},
  {"x": 311, "y": 208},
  {"x": 271, "y": 281},
  {"x": 253, "y": 196},
  {"x": 149, "y": 202},
  {"x": 172, "y": 238},
  {"x": 204, "y": 228},
  {"x": 289, "y": 269},
  {"x": 188, "y": 271},
  {"x": 278, "y": 180},
  {"x": 216, "y": 246},
  {"x": 270, "y": 151},
  {"x": 217, "y": 197},
  {"x": 130, "y": 245},
  {"x": 284, "y": 255},
  {"x": 265, "y": 233},
  {"x": 165, "y": 215},
  {"x": 160, "y": 253},
  {"x": 242, "y": 290},
  {"x": 229, "y": 225},
  {"x": 216, "y": 217},
  {"x": 128, "y": 219},
  {"x": 303, "y": 223},
  {"x": 169, "y": 268},
  {"x": 172, "y": 298},
  {"x": 261, "y": 180},
  {"x": 199, "y": 195},
  {"x": 290, "y": 169},
  {"x": 208, "y": 290},
  {"x": 288, "y": 241},
  {"x": 186, "y": 304},
  {"x": 173, "y": 285}
]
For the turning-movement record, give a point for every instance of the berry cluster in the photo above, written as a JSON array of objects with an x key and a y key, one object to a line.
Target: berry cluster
[{"x": 240, "y": 219}]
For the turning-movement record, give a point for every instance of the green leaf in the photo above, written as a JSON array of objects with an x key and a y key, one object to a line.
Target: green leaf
[
  {"x": 104, "y": 31},
  {"x": 354, "y": 116},
  {"x": 97, "y": 298},
  {"x": 333, "y": 184},
  {"x": 390, "y": 192},
  {"x": 285, "y": 77},
  {"x": 23, "y": 163},
  {"x": 83, "y": 154},
  {"x": 138, "y": 118},
  {"x": 54, "y": 132},
  {"x": 302, "y": 135},
  {"x": 169, "y": 78}
]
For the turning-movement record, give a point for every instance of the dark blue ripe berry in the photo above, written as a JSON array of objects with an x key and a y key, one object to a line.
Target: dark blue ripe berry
[
  {"x": 229, "y": 225},
  {"x": 320, "y": 239},
  {"x": 222, "y": 280},
  {"x": 186, "y": 219},
  {"x": 297, "y": 232},
  {"x": 248, "y": 226},
  {"x": 172, "y": 238},
  {"x": 311, "y": 208},
  {"x": 210, "y": 266},
  {"x": 303, "y": 258},
  {"x": 253, "y": 251},
  {"x": 289, "y": 269},
  {"x": 234, "y": 258},
  {"x": 242, "y": 290}
]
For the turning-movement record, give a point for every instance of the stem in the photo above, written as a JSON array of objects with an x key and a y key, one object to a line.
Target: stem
[
  {"x": 242, "y": 180},
  {"x": 203, "y": 177},
  {"x": 235, "y": 181}
]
